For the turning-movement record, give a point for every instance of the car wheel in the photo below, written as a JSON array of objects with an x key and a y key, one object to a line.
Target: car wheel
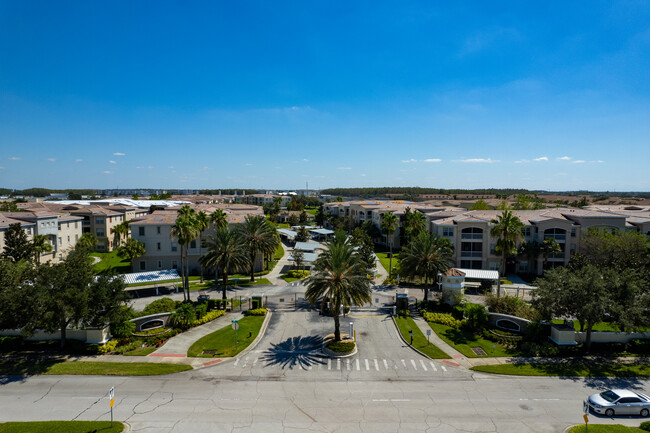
[
  {"x": 609, "y": 412},
  {"x": 645, "y": 412}
]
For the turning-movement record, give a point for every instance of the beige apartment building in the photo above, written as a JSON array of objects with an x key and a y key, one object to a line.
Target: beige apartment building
[
  {"x": 6, "y": 221},
  {"x": 162, "y": 249}
]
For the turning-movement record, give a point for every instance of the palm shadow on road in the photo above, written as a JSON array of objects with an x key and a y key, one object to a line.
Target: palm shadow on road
[{"x": 296, "y": 351}]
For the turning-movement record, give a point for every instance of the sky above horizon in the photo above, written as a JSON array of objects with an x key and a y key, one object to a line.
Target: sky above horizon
[{"x": 253, "y": 94}]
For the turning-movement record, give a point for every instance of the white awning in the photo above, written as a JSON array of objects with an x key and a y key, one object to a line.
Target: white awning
[
  {"x": 288, "y": 233},
  {"x": 305, "y": 246},
  {"x": 323, "y": 231},
  {"x": 480, "y": 274},
  {"x": 151, "y": 277},
  {"x": 306, "y": 257}
]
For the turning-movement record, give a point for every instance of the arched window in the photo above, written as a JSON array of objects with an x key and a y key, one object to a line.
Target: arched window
[{"x": 472, "y": 233}]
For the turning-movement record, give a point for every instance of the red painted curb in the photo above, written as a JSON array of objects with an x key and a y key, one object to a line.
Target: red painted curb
[
  {"x": 216, "y": 361},
  {"x": 453, "y": 364}
]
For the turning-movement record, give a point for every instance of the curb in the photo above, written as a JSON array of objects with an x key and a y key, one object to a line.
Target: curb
[
  {"x": 406, "y": 342},
  {"x": 127, "y": 427}
]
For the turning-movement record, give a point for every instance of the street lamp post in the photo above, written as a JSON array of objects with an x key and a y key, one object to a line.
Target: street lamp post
[{"x": 439, "y": 282}]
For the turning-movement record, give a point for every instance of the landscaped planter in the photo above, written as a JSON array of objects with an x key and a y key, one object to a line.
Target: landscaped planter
[{"x": 344, "y": 339}]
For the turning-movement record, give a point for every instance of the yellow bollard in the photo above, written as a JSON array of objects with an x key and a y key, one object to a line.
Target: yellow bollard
[{"x": 355, "y": 335}]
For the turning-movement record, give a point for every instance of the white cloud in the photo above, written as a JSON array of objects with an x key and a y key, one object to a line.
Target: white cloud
[
  {"x": 479, "y": 160},
  {"x": 305, "y": 160},
  {"x": 522, "y": 161},
  {"x": 407, "y": 161},
  {"x": 112, "y": 162},
  {"x": 107, "y": 172},
  {"x": 600, "y": 161},
  {"x": 14, "y": 158},
  {"x": 433, "y": 160},
  {"x": 119, "y": 154},
  {"x": 363, "y": 175},
  {"x": 344, "y": 168},
  {"x": 151, "y": 166},
  {"x": 248, "y": 164},
  {"x": 541, "y": 159},
  {"x": 139, "y": 166},
  {"x": 1, "y": 167},
  {"x": 171, "y": 166},
  {"x": 51, "y": 159},
  {"x": 78, "y": 160},
  {"x": 564, "y": 158},
  {"x": 579, "y": 161}
]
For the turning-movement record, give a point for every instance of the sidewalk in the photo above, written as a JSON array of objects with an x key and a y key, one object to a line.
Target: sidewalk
[
  {"x": 275, "y": 275},
  {"x": 455, "y": 355}
]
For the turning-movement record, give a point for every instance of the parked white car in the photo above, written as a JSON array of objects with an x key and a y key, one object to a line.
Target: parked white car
[{"x": 619, "y": 402}]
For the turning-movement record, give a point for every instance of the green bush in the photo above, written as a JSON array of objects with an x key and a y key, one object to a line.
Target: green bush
[
  {"x": 403, "y": 313},
  {"x": 537, "y": 332},
  {"x": 123, "y": 329},
  {"x": 534, "y": 349},
  {"x": 10, "y": 342},
  {"x": 294, "y": 273},
  {"x": 256, "y": 304},
  {"x": 256, "y": 312},
  {"x": 183, "y": 317},
  {"x": 443, "y": 319},
  {"x": 201, "y": 310},
  {"x": 390, "y": 281},
  {"x": 511, "y": 305},
  {"x": 108, "y": 347},
  {"x": 341, "y": 346},
  {"x": 208, "y": 317},
  {"x": 645, "y": 425},
  {"x": 162, "y": 305},
  {"x": 476, "y": 315}
]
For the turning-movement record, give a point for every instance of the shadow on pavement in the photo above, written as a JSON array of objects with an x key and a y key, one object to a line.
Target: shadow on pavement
[{"x": 296, "y": 351}]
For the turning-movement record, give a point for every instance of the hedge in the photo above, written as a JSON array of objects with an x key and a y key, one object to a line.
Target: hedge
[{"x": 442, "y": 318}]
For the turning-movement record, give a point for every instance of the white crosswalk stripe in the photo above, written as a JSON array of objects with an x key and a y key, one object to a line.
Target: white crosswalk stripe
[
  {"x": 329, "y": 363},
  {"x": 338, "y": 363},
  {"x": 433, "y": 366},
  {"x": 443, "y": 368},
  {"x": 415, "y": 367},
  {"x": 385, "y": 364},
  {"x": 236, "y": 362},
  {"x": 376, "y": 365},
  {"x": 357, "y": 363},
  {"x": 423, "y": 366},
  {"x": 347, "y": 364},
  {"x": 367, "y": 365},
  {"x": 404, "y": 364}
]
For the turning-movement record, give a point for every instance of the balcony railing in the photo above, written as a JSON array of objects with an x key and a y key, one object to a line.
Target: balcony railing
[
  {"x": 472, "y": 254},
  {"x": 556, "y": 236},
  {"x": 556, "y": 256},
  {"x": 472, "y": 236}
]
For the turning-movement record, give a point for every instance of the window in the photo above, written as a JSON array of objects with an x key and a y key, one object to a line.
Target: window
[
  {"x": 159, "y": 264},
  {"x": 174, "y": 246},
  {"x": 110, "y": 219},
  {"x": 60, "y": 241},
  {"x": 141, "y": 231},
  {"x": 100, "y": 232},
  {"x": 111, "y": 244},
  {"x": 525, "y": 232},
  {"x": 573, "y": 232},
  {"x": 99, "y": 220},
  {"x": 60, "y": 256},
  {"x": 68, "y": 239},
  {"x": 174, "y": 264},
  {"x": 143, "y": 266},
  {"x": 523, "y": 266},
  {"x": 193, "y": 244},
  {"x": 448, "y": 231},
  {"x": 158, "y": 245},
  {"x": 76, "y": 238},
  {"x": 158, "y": 229},
  {"x": 76, "y": 224}
]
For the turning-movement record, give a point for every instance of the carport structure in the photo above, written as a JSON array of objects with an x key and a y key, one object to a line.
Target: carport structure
[
  {"x": 290, "y": 235},
  {"x": 155, "y": 278},
  {"x": 308, "y": 247},
  {"x": 322, "y": 233}
]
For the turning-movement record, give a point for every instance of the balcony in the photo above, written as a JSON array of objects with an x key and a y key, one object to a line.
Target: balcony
[
  {"x": 471, "y": 254},
  {"x": 472, "y": 236},
  {"x": 557, "y": 236}
]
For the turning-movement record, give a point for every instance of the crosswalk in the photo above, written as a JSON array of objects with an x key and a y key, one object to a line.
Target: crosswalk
[{"x": 321, "y": 363}]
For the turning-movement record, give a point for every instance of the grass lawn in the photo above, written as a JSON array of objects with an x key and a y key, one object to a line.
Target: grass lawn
[
  {"x": 605, "y": 428},
  {"x": 244, "y": 282},
  {"x": 384, "y": 260},
  {"x": 569, "y": 369},
  {"x": 111, "y": 261},
  {"x": 222, "y": 342},
  {"x": 600, "y": 326},
  {"x": 463, "y": 341},
  {"x": 290, "y": 279},
  {"x": 141, "y": 351},
  {"x": 406, "y": 324},
  {"x": 62, "y": 427},
  {"x": 160, "y": 283},
  {"x": 30, "y": 367}
]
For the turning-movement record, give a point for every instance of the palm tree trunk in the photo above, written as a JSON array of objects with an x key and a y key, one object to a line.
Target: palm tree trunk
[
  {"x": 252, "y": 267},
  {"x": 187, "y": 272},
  {"x": 337, "y": 325},
  {"x": 390, "y": 258},
  {"x": 183, "y": 273},
  {"x": 225, "y": 285}
]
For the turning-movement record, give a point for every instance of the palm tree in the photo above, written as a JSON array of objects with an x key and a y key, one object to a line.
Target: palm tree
[
  {"x": 202, "y": 222},
  {"x": 121, "y": 231},
  {"x": 507, "y": 228},
  {"x": 550, "y": 247},
  {"x": 40, "y": 244},
  {"x": 87, "y": 241},
  {"x": 225, "y": 252},
  {"x": 416, "y": 223},
  {"x": 219, "y": 218},
  {"x": 186, "y": 230},
  {"x": 259, "y": 236},
  {"x": 388, "y": 226},
  {"x": 340, "y": 277},
  {"x": 531, "y": 250},
  {"x": 425, "y": 257}
]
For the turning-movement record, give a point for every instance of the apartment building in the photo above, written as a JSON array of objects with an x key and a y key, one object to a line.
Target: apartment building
[
  {"x": 262, "y": 199},
  {"x": 6, "y": 221},
  {"x": 162, "y": 249}
]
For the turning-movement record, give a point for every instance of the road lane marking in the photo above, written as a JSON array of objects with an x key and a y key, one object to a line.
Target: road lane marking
[
  {"x": 236, "y": 362},
  {"x": 357, "y": 362},
  {"x": 347, "y": 364},
  {"x": 329, "y": 363},
  {"x": 338, "y": 363},
  {"x": 423, "y": 366},
  {"x": 433, "y": 366},
  {"x": 255, "y": 362},
  {"x": 443, "y": 368},
  {"x": 390, "y": 399},
  {"x": 376, "y": 365},
  {"x": 415, "y": 367},
  {"x": 404, "y": 363},
  {"x": 367, "y": 365},
  {"x": 385, "y": 364}
]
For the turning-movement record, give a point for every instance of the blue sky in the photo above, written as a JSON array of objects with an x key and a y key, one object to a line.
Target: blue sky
[{"x": 541, "y": 95}]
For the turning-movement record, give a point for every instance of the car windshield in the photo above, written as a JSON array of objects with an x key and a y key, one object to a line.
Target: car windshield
[{"x": 610, "y": 396}]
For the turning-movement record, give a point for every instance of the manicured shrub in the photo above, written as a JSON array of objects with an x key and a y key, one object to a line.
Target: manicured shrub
[
  {"x": 476, "y": 315},
  {"x": 511, "y": 305},
  {"x": 403, "y": 313},
  {"x": 123, "y": 329},
  {"x": 208, "y": 317},
  {"x": 256, "y": 304},
  {"x": 201, "y": 310},
  {"x": 645, "y": 425},
  {"x": 256, "y": 312},
  {"x": 10, "y": 342},
  {"x": 108, "y": 347},
  {"x": 390, "y": 281},
  {"x": 162, "y": 305},
  {"x": 340, "y": 346},
  {"x": 295, "y": 273},
  {"x": 183, "y": 317},
  {"x": 534, "y": 349},
  {"x": 442, "y": 318}
]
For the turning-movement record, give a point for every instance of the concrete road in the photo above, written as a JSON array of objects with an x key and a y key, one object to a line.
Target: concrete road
[{"x": 189, "y": 403}]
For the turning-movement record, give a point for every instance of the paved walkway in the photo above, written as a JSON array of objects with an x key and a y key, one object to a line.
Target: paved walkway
[
  {"x": 178, "y": 345},
  {"x": 275, "y": 275}
]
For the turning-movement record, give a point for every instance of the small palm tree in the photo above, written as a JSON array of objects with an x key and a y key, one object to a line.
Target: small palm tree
[
  {"x": 550, "y": 247},
  {"x": 259, "y": 236},
  {"x": 219, "y": 218},
  {"x": 225, "y": 252},
  {"x": 185, "y": 230},
  {"x": 40, "y": 244},
  {"x": 531, "y": 250},
  {"x": 340, "y": 277},
  {"x": 425, "y": 257},
  {"x": 416, "y": 223},
  {"x": 121, "y": 232},
  {"x": 202, "y": 222},
  {"x": 507, "y": 229},
  {"x": 388, "y": 225}
]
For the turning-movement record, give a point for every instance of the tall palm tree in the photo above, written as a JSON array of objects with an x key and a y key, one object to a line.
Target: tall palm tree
[
  {"x": 507, "y": 229},
  {"x": 225, "y": 252},
  {"x": 185, "y": 230},
  {"x": 416, "y": 223},
  {"x": 202, "y": 222},
  {"x": 531, "y": 250},
  {"x": 340, "y": 277},
  {"x": 425, "y": 257},
  {"x": 40, "y": 244},
  {"x": 121, "y": 231},
  {"x": 259, "y": 236},
  {"x": 219, "y": 218},
  {"x": 388, "y": 225}
]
